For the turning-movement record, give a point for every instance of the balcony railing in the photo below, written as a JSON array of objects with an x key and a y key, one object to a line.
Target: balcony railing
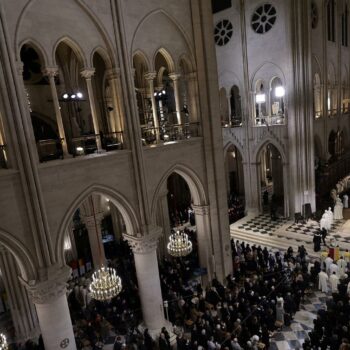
[
  {"x": 270, "y": 120},
  {"x": 169, "y": 133},
  {"x": 3, "y": 162},
  {"x": 52, "y": 149}
]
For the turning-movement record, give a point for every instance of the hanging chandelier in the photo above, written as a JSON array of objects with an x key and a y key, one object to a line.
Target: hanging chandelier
[
  {"x": 179, "y": 244},
  {"x": 3, "y": 342},
  {"x": 106, "y": 284}
]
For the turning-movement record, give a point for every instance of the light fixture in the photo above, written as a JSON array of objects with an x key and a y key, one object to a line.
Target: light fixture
[
  {"x": 3, "y": 342},
  {"x": 179, "y": 244},
  {"x": 163, "y": 92},
  {"x": 65, "y": 96},
  {"x": 80, "y": 149},
  {"x": 260, "y": 98},
  {"x": 155, "y": 94},
  {"x": 106, "y": 284},
  {"x": 73, "y": 96},
  {"x": 79, "y": 95},
  {"x": 279, "y": 91}
]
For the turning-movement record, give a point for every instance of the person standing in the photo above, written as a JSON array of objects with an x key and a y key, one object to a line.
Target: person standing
[
  {"x": 341, "y": 265},
  {"x": 346, "y": 201},
  {"x": 323, "y": 282},
  {"x": 334, "y": 280},
  {"x": 317, "y": 241}
]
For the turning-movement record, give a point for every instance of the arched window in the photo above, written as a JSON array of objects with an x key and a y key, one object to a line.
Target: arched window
[
  {"x": 317, "y": 96},
  {"x": 235, "y": 104},
  {"x": 331, "y": 20},
  {"x": 260, "y": 103},
  {"x": 277, "y": 92}
]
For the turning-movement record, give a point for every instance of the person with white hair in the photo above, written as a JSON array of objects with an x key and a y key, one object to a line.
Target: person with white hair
[{"x": 235, "y": 345}]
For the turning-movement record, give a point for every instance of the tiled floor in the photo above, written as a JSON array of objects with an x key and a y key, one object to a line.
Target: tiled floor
[
  {"x": 263, "y": 224},
  {"x": 294, "y": 336}
]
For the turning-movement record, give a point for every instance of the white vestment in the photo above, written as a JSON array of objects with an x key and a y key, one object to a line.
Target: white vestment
[
  {"x": 322, "y": 282},
  {"x": 338, "y": 210},
  {"x": 331, "y": 217},
  {"x": 334, "y": 268},
  {"x": 346, "y": 201},
  {"x": 334, "y": 280},
  {"x": 328, "y": 261},
  {"x": 342, "y": 265}
]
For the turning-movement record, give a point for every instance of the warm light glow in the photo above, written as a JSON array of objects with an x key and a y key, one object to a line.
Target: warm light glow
[
  {"x": 179, "y": 244},
  {"x": 80, "y": 149},
  {"x": 279, "y": 91},
  {"x": 67, "y": 243},
  {"x": 329, "y": 103},
  {"x": 260, "y": 98},
  {"x": 106, "y": 284}
]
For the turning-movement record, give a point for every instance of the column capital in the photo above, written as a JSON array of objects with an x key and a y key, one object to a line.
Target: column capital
[
  {"x": 150, "y": 75},
  {"x": 201, "y": 209},
  {"x": 50, "y": 71},
  {"x": 87, "y": 73},
  {"x": 19, "y": 66},
  {"x": 45, "y": 292},
  {"x": 145, "y": 244},
  {"x": 174, "y": 76},
  {"x": 113, "y": 73},
  {"x": 89, "y": 221}
]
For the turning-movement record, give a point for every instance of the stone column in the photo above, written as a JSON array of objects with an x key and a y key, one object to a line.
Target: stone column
[
  {"x": 175, "y": 78},
  {"x": 146, "y": 264},
  {"x": 150, "y": 77},
  {"x": 163, "y": 221},
  {"x": 52, "y": 309},
  {"x": 117, "y": 222},
  {"x": 88, "y": 74},
  {"x": 113, "y": 78},
  {"x": 51, "y": 72},
  {"x": 193, "y": 96},
  {"x": 206, "y": 251},
  {"x": 22, "y": 310},
  {"x": 93, "y": 226}
]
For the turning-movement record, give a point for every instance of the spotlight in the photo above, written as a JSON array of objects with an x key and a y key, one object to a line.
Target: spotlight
[
  {"x": 163, "y": 92},
  {"x": 79, "y": 95},
  {"x": 65, "y": 96},
  {"x": 155, "y": 94},
  {"x": 73, "y": 96}
]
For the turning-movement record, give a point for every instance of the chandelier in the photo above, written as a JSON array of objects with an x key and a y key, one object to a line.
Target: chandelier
[
  {"x": 179, "y": 244},
  {"x": 106, "y": 284},
  {"x": 3, "y": 342}
]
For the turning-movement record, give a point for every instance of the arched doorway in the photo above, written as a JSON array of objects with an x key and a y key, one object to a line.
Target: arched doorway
[
  {"x": 234, "y": 183},
  {"x": 271, "y": 184}
]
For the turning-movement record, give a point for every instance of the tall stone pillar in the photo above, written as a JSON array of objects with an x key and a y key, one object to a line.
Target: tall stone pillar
[
  {"x": 164, "y": 222},
  {"x": 206, "y": 248},
  {"x": 193, "y": 96},
  {"x": 52, "y": 309},
  {"x": 93, "y": 226},
  {"x": 51, "y": 72},
  {"x": 150, "y": 77},
  {"x": 88, "y": 74},
  {"x": 175, "y": 78},
  {"x": 146, "y": 264},
  {"x": 113, "y": 77},
  {"x": 22, "y": 310},
  {"x": 117, "y": 222}
]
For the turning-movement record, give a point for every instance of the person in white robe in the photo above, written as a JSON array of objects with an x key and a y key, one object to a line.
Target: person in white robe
[
  {"x": 325, "y": 221},
  {"x": 328, "y": 261},
  {"x": 331, "y": 217},
  {"x": 334, "y": 281},
  {"x": 333, "y": 268},
  {"x": 323, "y": 282},
  {"x": 338, "y": 209},
  {"x": 342, "y": 266},
  {"x": 346, "y": 201}
]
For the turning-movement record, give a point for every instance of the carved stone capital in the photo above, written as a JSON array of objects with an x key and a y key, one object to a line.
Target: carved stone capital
[
  {"x": 150, "y": 75},
  {"x": 201, "y": 209},
  {"x": 50, "y": 71},
  {"x": 145, "y": 244},
  {"x": 113, "y": 73},
  {"x": 19, "y": 68},
  {"x": 174, "y": 76},
  {"x": 89, "y": 221},
  {"x": 87, "y": 73},
  {"x": 45, "y": 292}
]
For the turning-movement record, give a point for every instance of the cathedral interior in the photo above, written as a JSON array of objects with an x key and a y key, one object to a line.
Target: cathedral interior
[{"x": 174, "y": 174}]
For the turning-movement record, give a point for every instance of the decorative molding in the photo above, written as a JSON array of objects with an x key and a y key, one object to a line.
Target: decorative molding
[
  {"x": 46, "y": 292},
  {"x": 87, "y": 73},
  {"x": 89, "y": 221},
  {"x": 50, "y": 71},
  {"x": 201, "y": 209},
  {"x": 174, "y": 76},
  {"x": 113, "y": 73},
  {"x": 150, "y": 75},
  {"x": 145, "y": 244}
]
